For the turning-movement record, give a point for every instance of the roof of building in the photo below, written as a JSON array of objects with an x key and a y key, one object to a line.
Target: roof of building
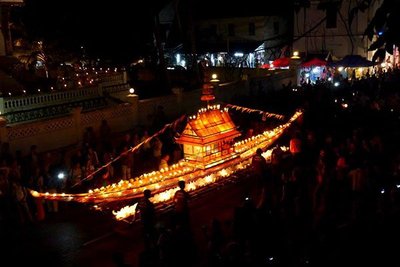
[{"x": 209, "y": 126}]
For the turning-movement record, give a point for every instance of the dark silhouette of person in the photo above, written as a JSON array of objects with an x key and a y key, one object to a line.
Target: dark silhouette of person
[
  {"x": 181, "y": 207},
  {"x": 145, "y": 210},
  {"x": 261, "y": 171},
  {"x": 259, "y": 166}
]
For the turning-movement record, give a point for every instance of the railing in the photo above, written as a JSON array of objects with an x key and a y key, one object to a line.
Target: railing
[
  {"x": 109, "y": 83},
  {"x": 47, "y": 112},
  {"x": 20, "y": 103},
  {"x": 116, "y": 88},
  {"x": 66, "y": 130}
]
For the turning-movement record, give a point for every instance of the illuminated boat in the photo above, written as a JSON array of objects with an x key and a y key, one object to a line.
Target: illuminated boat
[{"x": 210, "y": 154}]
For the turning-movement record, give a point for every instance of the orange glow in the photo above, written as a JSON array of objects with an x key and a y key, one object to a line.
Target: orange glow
[
  {"x": 163, "y": 182},
  {"x": 210, "y": 125}
]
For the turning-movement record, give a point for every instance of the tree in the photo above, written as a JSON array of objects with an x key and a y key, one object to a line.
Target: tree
[{"x": 382, "y": 30}]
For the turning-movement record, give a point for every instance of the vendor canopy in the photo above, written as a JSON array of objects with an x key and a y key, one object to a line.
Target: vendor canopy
[
  {"x": 313, "y": 62},
  {"x": 281, "y": 62},
  {"x": 353, "y": 61}
]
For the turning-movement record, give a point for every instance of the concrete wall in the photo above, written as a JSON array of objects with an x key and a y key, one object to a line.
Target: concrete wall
[
  {"x": 66, "y": 131},
  {"x": 148, "y": 107}
]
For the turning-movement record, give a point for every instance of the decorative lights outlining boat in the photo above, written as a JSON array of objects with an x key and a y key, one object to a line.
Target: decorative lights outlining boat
[{"x": 210, "y": 154}]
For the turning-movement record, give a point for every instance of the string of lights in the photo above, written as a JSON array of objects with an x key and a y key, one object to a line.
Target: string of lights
[
  {"x": 163, "y": 182},
  {"x": 131, "y": 150},
  {"x": 261, "y": 112}
]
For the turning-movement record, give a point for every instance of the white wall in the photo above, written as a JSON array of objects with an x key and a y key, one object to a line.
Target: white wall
[{"x": 335, "y": 40}]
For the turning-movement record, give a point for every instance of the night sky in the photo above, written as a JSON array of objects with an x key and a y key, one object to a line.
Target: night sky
[{"x": 118, "y": 31}]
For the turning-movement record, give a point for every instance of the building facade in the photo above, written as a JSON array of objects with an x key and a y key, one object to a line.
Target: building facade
[
  {"x": 322, "y": 26},
  {"x": 257, "y": 38},
  {"x": 228, "y": 34}
]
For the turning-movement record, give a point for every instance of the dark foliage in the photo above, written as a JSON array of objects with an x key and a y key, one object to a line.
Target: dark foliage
[{"x": 383, "y": 28}]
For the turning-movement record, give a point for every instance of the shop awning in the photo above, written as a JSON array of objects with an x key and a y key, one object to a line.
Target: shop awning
[
  {"x": 313, "y": 62},
  {"x": 281, "y": 62}
]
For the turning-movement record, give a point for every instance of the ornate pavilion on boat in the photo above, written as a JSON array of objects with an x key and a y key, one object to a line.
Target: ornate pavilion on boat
[{"x": 208, "y": 137}]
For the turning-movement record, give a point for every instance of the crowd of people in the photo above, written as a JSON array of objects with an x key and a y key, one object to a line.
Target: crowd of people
[
  {"x": 341, "y": 174},
  {"x": 78, "y": 169},
  {"x": 167, "y": 241},
  {"x": 342, "y": 169}
]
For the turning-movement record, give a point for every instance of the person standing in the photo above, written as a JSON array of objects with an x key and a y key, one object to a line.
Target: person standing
[
  {"x": 295, "y": 148},
  {"x": 181, "y": 205},
  {"x": 265, "y": 183},
  {"x": 145, "y": 210},
  {"x": 126, "y": 163},
  {"x": 258, "y": 169},
  {"x": 259, "y": 164},
  {"x": 183, "y": 236}
]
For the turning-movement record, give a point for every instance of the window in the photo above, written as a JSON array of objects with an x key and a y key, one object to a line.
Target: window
[
  {"x": 276, "y": 27},
  {"x": 231, "y": 29},
  {"x": 252, "y": 28}
]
